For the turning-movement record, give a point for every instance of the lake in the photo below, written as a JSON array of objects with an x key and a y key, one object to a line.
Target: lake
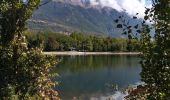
[{"x": 93, "y": 77}]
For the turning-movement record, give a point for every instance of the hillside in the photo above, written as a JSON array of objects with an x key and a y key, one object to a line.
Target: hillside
[{"x": 80, "y": 16}]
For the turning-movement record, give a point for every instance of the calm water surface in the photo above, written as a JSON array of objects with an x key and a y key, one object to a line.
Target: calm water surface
[{"x": 86, "y": 77}]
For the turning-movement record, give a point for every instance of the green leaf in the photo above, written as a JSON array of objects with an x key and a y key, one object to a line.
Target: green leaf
[
  {"x": 119, "y": 26},
  {"x": 146, "y": 17},
  {"x": 130, "y": 31},
  {"x": 139, "y": 31},
  {"x": 129, "y": 27},
  {"x": 134, "y": 17},
  {"x": 116, "y": 21},
  {"x": 124, "y": 33},
  {"x": 136, "y": 26}
]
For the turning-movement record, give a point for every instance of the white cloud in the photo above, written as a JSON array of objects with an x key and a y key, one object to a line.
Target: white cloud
[
  {"x": 131, "y": 6},
  {"x": 111, "y": 3}
]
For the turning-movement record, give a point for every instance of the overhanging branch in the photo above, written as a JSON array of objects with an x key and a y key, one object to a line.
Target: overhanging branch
[{"x": 45, "y": 3}]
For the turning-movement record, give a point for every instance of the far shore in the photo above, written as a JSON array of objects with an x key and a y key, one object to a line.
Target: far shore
[{"x": 90, "y": 53}]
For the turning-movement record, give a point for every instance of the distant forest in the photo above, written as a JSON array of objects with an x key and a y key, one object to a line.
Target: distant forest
[{"x": 80, "y": 42}]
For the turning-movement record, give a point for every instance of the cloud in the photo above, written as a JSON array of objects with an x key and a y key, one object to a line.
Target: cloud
[{"x": 130, "y": 6}]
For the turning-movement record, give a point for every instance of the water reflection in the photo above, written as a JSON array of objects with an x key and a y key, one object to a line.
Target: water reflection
[{"x": 95, "y": 76}]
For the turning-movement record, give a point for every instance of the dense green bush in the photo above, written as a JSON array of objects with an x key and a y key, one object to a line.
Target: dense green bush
[
  {"x": 24, "y": 72},
  {"x": 155, "y": 59}
]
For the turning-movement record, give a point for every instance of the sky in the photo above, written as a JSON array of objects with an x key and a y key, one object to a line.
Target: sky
[{"x": 130, "y": 6}]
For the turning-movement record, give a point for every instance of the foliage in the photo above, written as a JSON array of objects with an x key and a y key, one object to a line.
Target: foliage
[
  {"x": 51, "y": 44},
  {"x": 155, "y": 65},
  {"x": 80, "y": 42},
  {"x": 24, "y": 72}
]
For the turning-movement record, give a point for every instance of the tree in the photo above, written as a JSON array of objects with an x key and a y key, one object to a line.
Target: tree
[
  {"x": 24, "y": 72},
  {"x": 51, "y": 44},
  {"x": 155, "y": 65},
  {"x": 155, "y": 55},
  {"x": 88, "y": 44}
]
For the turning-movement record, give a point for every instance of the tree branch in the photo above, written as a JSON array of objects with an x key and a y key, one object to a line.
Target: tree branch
[{"x": 45, "y": 3}]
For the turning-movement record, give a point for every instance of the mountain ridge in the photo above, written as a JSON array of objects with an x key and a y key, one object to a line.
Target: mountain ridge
[{"x": 80, "y": 16}]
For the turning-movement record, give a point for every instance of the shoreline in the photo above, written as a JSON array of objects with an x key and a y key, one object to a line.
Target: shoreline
[{"x": 90, "y": 53}]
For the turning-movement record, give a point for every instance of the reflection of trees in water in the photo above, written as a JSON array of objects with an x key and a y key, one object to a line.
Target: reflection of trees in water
[
  {"x": 96, "y": 75},
  {"x": 83, "y": 63}
]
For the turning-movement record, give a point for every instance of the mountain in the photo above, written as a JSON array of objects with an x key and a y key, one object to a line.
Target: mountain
[{"x": 75, "y": 15}]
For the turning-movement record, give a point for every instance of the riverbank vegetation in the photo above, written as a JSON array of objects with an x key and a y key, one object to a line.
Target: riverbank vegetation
[{"x": 80, "y": 42}]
